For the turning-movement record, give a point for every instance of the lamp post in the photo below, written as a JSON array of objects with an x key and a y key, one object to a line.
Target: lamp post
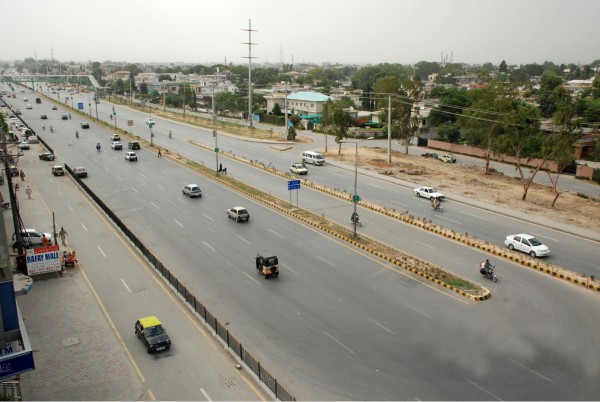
[{"x": 355, "y": 198}]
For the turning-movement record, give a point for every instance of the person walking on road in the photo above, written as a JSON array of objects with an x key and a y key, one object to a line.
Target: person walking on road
[
  {"x": 159, "y": 154},
  {"x": 28, "y": 192},
  {"x": 63, "y": 235},
  {"x": 22, "y": 174}
]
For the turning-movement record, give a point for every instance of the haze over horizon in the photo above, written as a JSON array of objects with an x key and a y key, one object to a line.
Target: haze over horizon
[{"x": 334, "y": 31}]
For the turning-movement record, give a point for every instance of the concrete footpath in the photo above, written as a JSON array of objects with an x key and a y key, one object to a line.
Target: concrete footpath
[{"x": 77, "y": 355}]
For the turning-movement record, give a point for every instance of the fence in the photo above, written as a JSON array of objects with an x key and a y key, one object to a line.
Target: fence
[{"x": 223, "y": 333}]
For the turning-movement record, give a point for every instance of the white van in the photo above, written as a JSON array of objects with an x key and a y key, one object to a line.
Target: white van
[{"x": 313, "y": 157}]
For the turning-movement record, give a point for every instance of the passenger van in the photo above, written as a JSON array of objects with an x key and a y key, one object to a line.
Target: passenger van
[{"x": 313, "y": 157}]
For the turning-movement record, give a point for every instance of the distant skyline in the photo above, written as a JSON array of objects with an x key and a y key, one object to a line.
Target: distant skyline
[{"x": 328, "y": 31}]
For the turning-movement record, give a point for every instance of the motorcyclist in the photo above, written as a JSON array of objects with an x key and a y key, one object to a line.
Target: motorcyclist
[
  {"x": 487, "y": 267},
  {"x": 51, "y": 129},
  {"x": 170, "y": 134},
  {"x": 435, "y": 203},
  {"x": 43, "y": 126},
  {"x": 98, "y": 146},
  {"x": 76, "y": 134},
  {"x": 354, "y": 218}
]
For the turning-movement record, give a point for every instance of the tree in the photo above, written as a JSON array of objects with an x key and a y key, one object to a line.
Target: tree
[
  {"x": 596, "y": 88},
  {"x": 335, "y": 120},
  {"x": 276, "y": 110},
  {"x": 503, "y": 67},
  {"x": 449, "y": 132},
  {"x": 291, "y": 134},
  {"x": 452, "y": 102},
  {"x": 550, "y": 91}
]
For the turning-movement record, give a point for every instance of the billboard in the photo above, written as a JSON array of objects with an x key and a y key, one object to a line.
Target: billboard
[{"x": 43, "y": 259}]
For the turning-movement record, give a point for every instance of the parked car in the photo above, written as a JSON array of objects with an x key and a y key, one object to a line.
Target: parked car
[
  {"x": 33, "y": 139},
  {"x": 47, "y": 156},
  {"x": 527, "y": 244},
  {"x": 33, "y": 236},
  {"x": 13, "y": 170},
  {"x": 239, "y": 214},
  {"x": 428, "y": 192},
  {"x": 192, "y": 190},
  {"x": 133, "y": 145},
  {"x": 24, "y": 145},
  {"x": 116, "y": 145},
  {"x": 447, "y": 158},
  {"x": 17, "y": 111},
  {"x": 130, "y": 156},
  {"x": 153, "y": 335},
  {"x": 80, "y": 172},
  {"x": 85, "y": 124},
  {"x": 297, "y": 168},
  {"x": 57, "y": 171},
  {"x": 430, "y": 155}
]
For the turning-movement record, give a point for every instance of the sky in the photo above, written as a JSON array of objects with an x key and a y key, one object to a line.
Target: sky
[{"x": 309, "y": 31}]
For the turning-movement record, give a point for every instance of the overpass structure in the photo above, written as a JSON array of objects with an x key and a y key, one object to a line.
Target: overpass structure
[{"x": 86, "y": 80}]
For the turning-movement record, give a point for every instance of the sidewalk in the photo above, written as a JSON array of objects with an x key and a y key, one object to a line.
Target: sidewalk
[{"x": 77, "y": 355}]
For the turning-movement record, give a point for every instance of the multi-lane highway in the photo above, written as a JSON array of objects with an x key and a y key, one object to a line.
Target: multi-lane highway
[{"x": 339, "y": 324}]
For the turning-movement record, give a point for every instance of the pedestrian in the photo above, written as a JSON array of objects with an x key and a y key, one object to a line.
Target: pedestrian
[
  {"x": 22, "y": 174},
  {"x": 16, "y": 186},
  {"x": 220, "y": 168},
  {"x": 45, "y": 241},
  {"x": 69, "y": 115},
  {"x": 159, "y": 154},
  {"x": 28, "y": 192},
  {"x": 63, "y": 235}
]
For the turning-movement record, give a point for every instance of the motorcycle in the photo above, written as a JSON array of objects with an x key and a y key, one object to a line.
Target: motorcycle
[
  {"x": 51, "y": 129},
  {"x": 76, "y": 134},
  {"x": 355, "y": 219},
  {"x": 98, "y": 147},
  {"x": 491, "y": 273}
]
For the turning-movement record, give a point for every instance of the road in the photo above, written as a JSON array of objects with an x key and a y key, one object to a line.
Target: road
[{"x": 335, "y": 314}]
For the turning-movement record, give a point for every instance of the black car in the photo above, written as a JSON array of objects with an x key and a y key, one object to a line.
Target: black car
[
  {"x": 43, "y": 116},
  {"x": 64, "y": 117},
  {"x": 430, "y": 155},
  {"x": 133, "y": 145},
  {"x": 85, "y": 124},
  {"x": 151, "y": 332},
  {"x": 47, "y": 156}
]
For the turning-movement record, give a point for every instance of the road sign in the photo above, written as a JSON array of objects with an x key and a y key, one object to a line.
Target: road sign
[
  {"x": 130, "y": 123},
  {"x": 80, "y": 105},
  {"x": 356, "y": 198},
  {"x": 293, "y": 184},
  {"x": 217, "y": 150}
]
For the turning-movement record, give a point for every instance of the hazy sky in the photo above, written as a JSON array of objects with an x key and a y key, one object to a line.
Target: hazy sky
[{"x": 335, "y": 31}]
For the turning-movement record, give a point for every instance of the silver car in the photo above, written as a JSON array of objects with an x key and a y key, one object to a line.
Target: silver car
[
  {"x": 192, "y": 190},
  {"x": 239, "y": 214}
]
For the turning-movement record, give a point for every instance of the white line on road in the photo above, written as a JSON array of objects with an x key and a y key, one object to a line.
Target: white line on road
[
  {"x": 379, "y": 325},
  {"x": 180, "y": 200},
  {"x": 376, "y": 186},
  {"x": 159, "y": 186},
  {"x": 59, "y": 193},
  {"x": 208, "y": 245},
  {"x": 545, "y": 237},
  {"x": 339, "y": 174},
  {"x": 318, "y": 177},
  {"x": 133, "y": 188},
  {"x": 124, "y": 284},
  {"x": 451, "y": 220},
  {"x": 417, "y": 310},
  {"x": 543, "y": 377},
  {"x": 70, "y": 207},
  {"x": 208, "y": 217},
  {"x": 242, "y": 239},
  {"x": 205, "y": 394},
  {"x": 424, "y": 244},
  {"x": 254, "y": 279},
  {"x": 83, "y": 226},
  {"x": 338, "y": 342},
  {"x": 290, "y": 268},
  {"x": 399, "y": 203},
  {"x": 275, "y": 233},
  {"x": 154, "y": 205},
  {"x": 105, "y": 168},
  {"x": 474, "y": 216},
  {"x": 483, "y": 389},
  {"x": 141, "y": 174},
  {"x": 101, "y": 252},
  {"x": 119, "y": 178},
  {"x": 324, "y": 260},
  {"x": 179, "y": 223}
]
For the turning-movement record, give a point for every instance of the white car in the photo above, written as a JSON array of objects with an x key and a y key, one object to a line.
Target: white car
[
  {"x": 150, "y": 120},
  {"x": 527, "y": 244},
  {"x": 192, "y": 190},
  {"x": 116, "y": 145},
  {"x": 24, "y": 145},
  {"x": 28, "y": 106},
  {"x": 239, "y": 214},
  {"x": 428, "y": 192},
  {"x": 298, "y": 169},
  {"x": 130, "y": 156},
  {"x": 33, "y": 236}
]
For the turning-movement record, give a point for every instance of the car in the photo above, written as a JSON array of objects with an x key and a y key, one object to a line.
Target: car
[
  {"x": 297, "y": 168},
  {"x": 239, "y": 214},
  {"x": 33, "y": 236},
  {"x": 57, "y": 170},
  {"x": 38, "y": 100},
  {"x": 527, "y": 244},
  {"x": 133, "y": 145},
  {"x": 2, "y": 104},
  {"x": 54, "y": 107},
  {"x": 430, "y": 155},
  {"x": 64, "y": 116},
  {"x": 43, "y": 116},
  {"x": 13, "y": 170},
  {"x": 192, "y": 190},
  {"x": 428, "y": 192},
  {"x": 25, "y": 99},
  {"x": 24, "y": 145},
  {"x": 447, "y": 158},
  {"x": 153, "y": 335},
  {"x": 130, "y": 156},
  {"x": 47, "y": 156},
  {"x": 85, "y": 124},
  {"x": 116, "y": 145},
  {"x": 150, "y": 120},
  {"x": 33, "y": 139},
  {"x": 80, "y": 172},
  {"x": 17, "y": 111},
  {"x": 115, "y": 137},
  {"x": 28, "y": 106}
]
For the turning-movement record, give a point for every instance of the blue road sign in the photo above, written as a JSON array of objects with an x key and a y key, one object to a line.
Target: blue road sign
[
  {"x": 293, "y": 184},
  {"x": 80, "y": 105}
]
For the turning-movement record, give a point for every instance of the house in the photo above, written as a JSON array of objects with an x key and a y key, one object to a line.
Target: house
[{"x": 304, "y": 103}]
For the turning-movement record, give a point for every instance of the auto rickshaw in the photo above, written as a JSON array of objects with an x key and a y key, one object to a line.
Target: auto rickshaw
[
  {"x": 69, "y": 259},
  {"x": 267, "y": 266}
]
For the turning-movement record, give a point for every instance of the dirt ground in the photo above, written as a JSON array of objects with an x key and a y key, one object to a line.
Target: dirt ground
[{"x": 470, "y": 181}]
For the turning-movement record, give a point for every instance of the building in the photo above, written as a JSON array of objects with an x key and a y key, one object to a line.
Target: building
[{"x": 304, "y": 103}]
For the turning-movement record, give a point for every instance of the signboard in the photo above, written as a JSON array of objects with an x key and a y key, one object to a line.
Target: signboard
[
  {"x": 80, "y": 105},
  {"x": 130, "y": 123},
  {"x": 293, "y": 184},
  {"x": 43, "y": 259}
]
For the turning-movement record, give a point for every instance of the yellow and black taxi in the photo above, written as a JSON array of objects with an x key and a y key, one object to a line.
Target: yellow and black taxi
[
  {"x": 151, "y": 332},
  {"x": 57, "y": 170}
]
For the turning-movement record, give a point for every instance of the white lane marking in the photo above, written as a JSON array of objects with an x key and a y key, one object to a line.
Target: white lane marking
[
  {"x": 154, "y": 205},
  {"x": 483, "y": 389},
  {"x": 208, "y": 217},
  {"x": 59, "y": 193},
  {"x": 376, "y": 186},
  {"x": 318, "y": 177},
  {"x": 101, "y": 252},
  {"x": 180, "y": 200},
  {"x": 339, "y": 174},
  {"x": 290, "y": 268},
  {"x": 70, "y": 207},
  {"x": 324, "y": 260},
  {"x": 417, "y": 310},
  {"x": 379, "y": 325},
  {"x": 424, "y": 244},
  {"x": 177, "y": 222},
  {"x": 275, "y": 233},
  {"x": 124, "y": 284},
  {"x": 141, "y": 174},
  {"x": 83, "y": 226},
  {"x": 105, "y": 168},
  {"x": 119, "y": 178},
  {"x": 242, "y": 239},
  {"x": 159, "y": 186},
  {"x": 545, "y": 237},
  {"x": 474, "y": 216},
  {"x": 208, "y": 245},
  {"x": 338, "y": 342},
  {"x": 399, "y": 203},
  {"x": 254, "y": 279},
  {"x": 133, "y": 188},
  {"x": 543, "y": 377},
  {"x": 450, "y": 220},
  {"x": 205, "y": 394}
]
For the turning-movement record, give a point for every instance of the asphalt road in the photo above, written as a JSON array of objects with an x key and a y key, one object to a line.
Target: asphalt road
[{"x": 336, "y": 315}]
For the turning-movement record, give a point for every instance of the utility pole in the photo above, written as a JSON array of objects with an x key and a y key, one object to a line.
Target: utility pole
[
  {"x": 214, "y": 121},
  {"x": 285, "y": 111},
  {"x": 249, "y": 43},
  {"x": 389, "y": 124}
]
